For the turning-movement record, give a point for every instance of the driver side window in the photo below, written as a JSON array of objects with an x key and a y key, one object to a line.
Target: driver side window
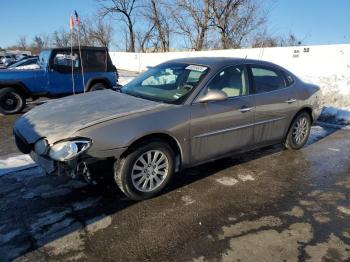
[
  {"x": 63, "y": 61},
  {"x": 232, "y": 81}
]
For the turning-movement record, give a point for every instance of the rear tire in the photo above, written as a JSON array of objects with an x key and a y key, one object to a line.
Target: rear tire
[
  {"x": 11, "y": 101},
  {"x": 97, "y": 86},
  {"x": 145, "y": 171},
  {"x": 299, "y": 131}
]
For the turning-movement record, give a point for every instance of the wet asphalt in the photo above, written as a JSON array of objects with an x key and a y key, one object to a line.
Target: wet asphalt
[{"x": 266, "y": 205}]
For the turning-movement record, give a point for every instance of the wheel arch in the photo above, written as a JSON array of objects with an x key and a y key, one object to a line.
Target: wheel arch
[
  {"x": 306, "y": 109},
  {"x": 16, "y": 85},
  {"x": 96, "y": 80},
  {"x": 164, "y": 137}
]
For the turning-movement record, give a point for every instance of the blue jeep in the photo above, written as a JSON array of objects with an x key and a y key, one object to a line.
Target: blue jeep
[{"x": 53, "y": 76}]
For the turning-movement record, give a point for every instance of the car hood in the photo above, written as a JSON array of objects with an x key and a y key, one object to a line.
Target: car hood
[{"x": 61, "y": 118}]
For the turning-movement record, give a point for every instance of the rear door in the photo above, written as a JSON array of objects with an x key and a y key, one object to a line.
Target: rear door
[
  {"x": 275, "y": 103},
  {"x": 220, "y": 127}
]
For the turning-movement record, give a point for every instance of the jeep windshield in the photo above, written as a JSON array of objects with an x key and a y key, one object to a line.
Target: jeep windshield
[
  {"x": 168, "y": 83},
  {"x": 44, "y": 57}
]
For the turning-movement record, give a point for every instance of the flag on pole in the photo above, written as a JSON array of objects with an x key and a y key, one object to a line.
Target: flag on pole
[
  {"x": 77, "y": 21},
  {"x": 71, "y": 23}
]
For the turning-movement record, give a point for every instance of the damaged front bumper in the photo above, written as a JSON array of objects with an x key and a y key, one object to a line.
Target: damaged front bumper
[{"x": 77, "y": 168}]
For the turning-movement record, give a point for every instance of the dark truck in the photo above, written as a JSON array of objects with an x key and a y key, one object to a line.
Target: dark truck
[{"x": 53, "y": 76}]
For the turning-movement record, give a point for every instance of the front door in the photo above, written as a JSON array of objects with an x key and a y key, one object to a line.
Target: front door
[
  {"x": 60, "y": 75},
  {"x": 275, "y": 104},
  {"x": 220, "y": 127}
]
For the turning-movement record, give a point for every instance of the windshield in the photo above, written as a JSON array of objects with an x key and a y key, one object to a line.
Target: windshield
[
  {"x": 169, "y": 83},
  {"x": 44, "y": 57}
]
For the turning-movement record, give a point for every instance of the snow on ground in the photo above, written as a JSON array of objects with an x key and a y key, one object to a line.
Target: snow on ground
[
  {"x": 123, "y": 80},
  {"x": 126, "y": 76},
  {"x": 337, "y": 115},
  {"x": 15, "y": 163}
]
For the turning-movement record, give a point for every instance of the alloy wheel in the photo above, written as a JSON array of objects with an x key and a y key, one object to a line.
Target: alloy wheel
[
  {"x": 300, "y": 130},
  {"x": 150, "y": 170}
]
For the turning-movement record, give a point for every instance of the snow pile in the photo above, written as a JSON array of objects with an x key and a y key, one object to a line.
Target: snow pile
[
  {"x": 15, "y": 163},
  {"x": 335, "y": 90},
  {"x": 335, "y": 115},
  {"x": 335, "y": 97}
]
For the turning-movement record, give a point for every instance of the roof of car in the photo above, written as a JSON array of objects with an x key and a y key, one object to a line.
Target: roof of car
[{"x": 218, "y": 61}]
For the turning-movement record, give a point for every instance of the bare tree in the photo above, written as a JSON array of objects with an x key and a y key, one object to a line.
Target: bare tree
[
  {"x": 145, "y": 38},
  {"x": 263, "y": 39},
  {"x": 235, "y": 20},
  {"x": 291, "y": 40},
  {"x": 125, "y": 11},
  {"x": 61, "y": 38},
  {"x": 155, "y": 14},
  {"x": 101, "y": 32},
  {"x": 192, "y": 18},
  {"x": 22, "y": 42},
  {"x": 40, "y": 42}
]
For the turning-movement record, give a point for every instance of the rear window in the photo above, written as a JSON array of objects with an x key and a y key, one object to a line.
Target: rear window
[
  {"x": 95, "y": 61},
  {"x": 267, "y": 79}
]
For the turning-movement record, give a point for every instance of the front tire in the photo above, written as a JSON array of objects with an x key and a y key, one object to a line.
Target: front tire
[
  {"x": 145, "y": 171},
  {"x": 11, "y": 101},
  {"x": 98, "y": 86},
  {"x": 299, "y": 131}
]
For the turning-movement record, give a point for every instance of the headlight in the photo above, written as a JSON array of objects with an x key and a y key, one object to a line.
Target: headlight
[
  {"x": 66, "y": 150},
  {"x": 41, "y": 147}
]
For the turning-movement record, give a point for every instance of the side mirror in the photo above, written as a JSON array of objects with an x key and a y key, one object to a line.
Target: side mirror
[{"x": 213, "y": 95}]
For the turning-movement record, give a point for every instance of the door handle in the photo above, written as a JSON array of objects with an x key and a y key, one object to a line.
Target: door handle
[
  {"x": 290, "y": 101},
  {"x": 245, "y": 109}
]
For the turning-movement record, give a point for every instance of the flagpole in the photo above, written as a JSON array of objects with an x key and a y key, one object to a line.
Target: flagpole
[
  {"x": 81, "y": 58},
  {"x": 71, "y": 53}
]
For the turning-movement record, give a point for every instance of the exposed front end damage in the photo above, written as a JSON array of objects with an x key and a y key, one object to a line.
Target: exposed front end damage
[
  {"x": 78, "y": 168},
  {"x": 61, "y": 158}
]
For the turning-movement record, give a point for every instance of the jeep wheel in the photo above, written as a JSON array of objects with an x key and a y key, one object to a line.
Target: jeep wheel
[
  {"x": 97, "y": 86},
  {"x": 145, "y": 171},
  {"x": 11, "y": 101}
]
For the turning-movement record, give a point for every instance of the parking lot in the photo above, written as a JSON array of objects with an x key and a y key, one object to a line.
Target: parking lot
[{"x": 267, "y": 205}]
